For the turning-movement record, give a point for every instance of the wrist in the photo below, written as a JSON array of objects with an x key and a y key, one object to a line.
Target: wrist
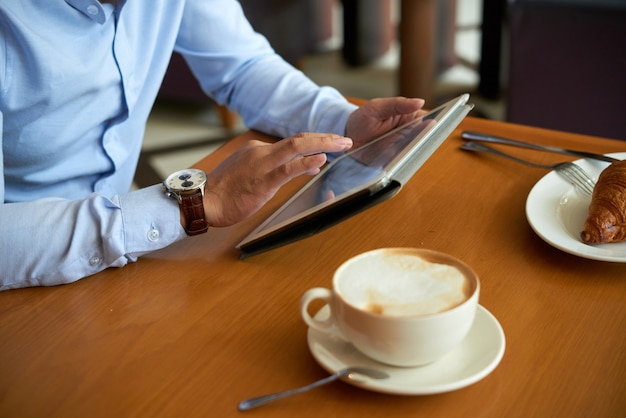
[{"x": 187, "y": 187}]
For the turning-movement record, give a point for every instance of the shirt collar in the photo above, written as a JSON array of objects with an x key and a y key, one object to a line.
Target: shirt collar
[{"x": 91, "y": 8}]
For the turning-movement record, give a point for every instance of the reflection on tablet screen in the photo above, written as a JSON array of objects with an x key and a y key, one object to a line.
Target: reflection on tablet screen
[{"x": 353, "y": 170}]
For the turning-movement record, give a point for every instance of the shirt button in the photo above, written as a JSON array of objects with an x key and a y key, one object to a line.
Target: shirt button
[
  {"x": 95, "y": 260},
  {"x": 92, "y": 9},
  {"x": 154, "y": 235}
]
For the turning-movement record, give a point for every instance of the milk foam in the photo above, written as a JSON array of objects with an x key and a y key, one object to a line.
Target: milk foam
[{"x": 400, "y": 284}]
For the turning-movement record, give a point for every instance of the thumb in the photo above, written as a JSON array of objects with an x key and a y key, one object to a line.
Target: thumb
[{"x": 395, "y": 106}]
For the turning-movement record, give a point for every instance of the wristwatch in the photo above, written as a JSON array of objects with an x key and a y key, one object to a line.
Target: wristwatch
[{"x": 187, "y": 186}]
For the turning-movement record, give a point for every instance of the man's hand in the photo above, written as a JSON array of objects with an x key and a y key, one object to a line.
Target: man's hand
[
  {"x": 247, "y": 179},
  {"x": 378, "y": 116}
]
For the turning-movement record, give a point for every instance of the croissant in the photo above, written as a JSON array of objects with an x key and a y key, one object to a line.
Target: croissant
[{"x": 606, "y": 221}]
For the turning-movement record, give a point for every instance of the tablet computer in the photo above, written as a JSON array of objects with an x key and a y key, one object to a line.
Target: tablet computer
[{"x": 357, "y": 179}]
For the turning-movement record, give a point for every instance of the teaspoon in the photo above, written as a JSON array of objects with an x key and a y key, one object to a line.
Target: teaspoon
[{"x": 351, "y": 373}]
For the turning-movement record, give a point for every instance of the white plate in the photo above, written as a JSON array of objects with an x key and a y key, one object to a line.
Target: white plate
[
  {"x": 557, "y": 213},
  {"x": 476, "y": 357}
]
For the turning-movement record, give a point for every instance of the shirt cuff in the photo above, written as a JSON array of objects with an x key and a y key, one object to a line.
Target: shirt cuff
[
  {"x": 334, "y": 111},
  {"x": 150, "y": 220}
]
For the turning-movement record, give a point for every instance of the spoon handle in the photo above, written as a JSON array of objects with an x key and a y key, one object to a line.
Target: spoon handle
[{"x": 260, "y": 400}]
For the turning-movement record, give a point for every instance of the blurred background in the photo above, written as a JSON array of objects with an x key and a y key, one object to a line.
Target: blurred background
[{"x": 556, "y": 64}]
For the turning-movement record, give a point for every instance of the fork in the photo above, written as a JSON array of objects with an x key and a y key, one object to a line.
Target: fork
[{"x": 568, "y": 170}]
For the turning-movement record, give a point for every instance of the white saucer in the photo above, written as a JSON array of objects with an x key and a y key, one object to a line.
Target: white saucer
[
  {"x": 557, "y": 213},
  {"x": 476, "y": 357}
]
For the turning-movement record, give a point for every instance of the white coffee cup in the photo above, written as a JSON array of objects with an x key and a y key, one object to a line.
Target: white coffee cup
[{"x": 399, "y": 306}]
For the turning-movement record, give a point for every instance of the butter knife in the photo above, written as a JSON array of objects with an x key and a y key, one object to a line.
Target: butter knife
[{"x": 479, "y": 136}]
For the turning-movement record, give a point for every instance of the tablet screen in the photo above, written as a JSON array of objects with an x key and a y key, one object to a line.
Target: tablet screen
[
  {"x": 363, "y": 168},
  {"x": 360, "y": 171}
]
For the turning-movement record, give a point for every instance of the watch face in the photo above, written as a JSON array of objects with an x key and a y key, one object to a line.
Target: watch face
[{"x": 186, "y": 180}]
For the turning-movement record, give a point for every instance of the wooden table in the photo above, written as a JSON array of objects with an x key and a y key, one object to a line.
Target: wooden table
[{"x": 192, "y": 330}]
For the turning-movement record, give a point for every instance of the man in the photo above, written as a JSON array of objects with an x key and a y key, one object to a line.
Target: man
[{"x": 77, "y": 81}]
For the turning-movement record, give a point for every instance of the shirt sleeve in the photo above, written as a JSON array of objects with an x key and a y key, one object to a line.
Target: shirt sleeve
[
  {"x": 51, "y": 241},
  {"x": 237, "y": 67},
  {"x": 68, "y": 240}
]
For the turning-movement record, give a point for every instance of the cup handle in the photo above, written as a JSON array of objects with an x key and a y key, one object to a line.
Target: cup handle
[{"x": 327, "y": 325}]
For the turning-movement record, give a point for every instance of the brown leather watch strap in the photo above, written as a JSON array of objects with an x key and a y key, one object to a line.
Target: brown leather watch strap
[{"x": 193, "y": 210}]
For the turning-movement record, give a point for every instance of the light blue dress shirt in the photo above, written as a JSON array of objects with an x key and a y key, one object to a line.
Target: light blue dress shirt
[{"x": 77, "y": 82}]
